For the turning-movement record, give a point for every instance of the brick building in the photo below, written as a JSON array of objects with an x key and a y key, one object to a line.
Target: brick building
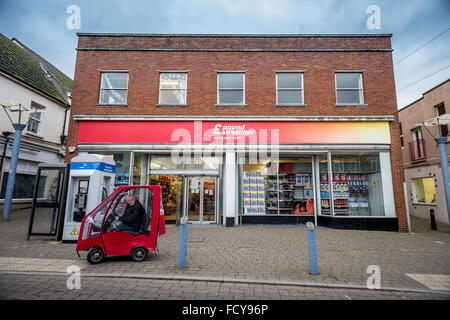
[
  {"x": 421, "y": 159},
  {"x": 247, "y": 128}
]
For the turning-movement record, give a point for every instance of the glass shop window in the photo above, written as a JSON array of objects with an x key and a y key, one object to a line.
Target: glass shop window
[
  {"x": 278, "y": 187},
  {"x": 122, "y": 160},
  {"x": 356, "y": 184}
]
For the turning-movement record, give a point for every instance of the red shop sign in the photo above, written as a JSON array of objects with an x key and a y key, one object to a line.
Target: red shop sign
[{"x": 253, "y": 132}]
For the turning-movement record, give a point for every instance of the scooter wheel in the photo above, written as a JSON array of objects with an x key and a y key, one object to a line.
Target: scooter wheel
[
  {"x": 95, "y": 255},
  {"x": 139, "y": 254}
]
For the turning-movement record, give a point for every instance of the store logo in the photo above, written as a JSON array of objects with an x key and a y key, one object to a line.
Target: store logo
[
  {"x": 216, "y": 129},
  {"x": 232, "y": 130},
  {"x": 212, "y": 142}
]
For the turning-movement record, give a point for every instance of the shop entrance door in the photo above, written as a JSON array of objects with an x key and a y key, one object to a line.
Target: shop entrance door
[{"x": 200, "y": 199}]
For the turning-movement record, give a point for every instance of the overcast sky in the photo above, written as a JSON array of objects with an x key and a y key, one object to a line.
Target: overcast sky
[{"x": 42, "y": 26}]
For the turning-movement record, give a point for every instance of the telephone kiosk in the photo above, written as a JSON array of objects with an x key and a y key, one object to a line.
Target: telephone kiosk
[{"x": 91, "y": 180}]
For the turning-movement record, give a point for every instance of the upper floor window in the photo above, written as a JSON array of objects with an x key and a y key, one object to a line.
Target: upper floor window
[
  {"x": 443, "y": 129},
  {"x": 172, "y": 88},
  {"x": 35, "y": 119},
  {"x": 231, "y": 88},
  {"x": 114, "y": 87},
  {"x": 349, "y": 88},
  {"x": 417, "y": 146},
  {"x": 290, "y": 88}
]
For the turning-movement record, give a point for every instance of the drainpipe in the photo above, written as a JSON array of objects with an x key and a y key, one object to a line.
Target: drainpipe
[{"x": 63, "y": 136}]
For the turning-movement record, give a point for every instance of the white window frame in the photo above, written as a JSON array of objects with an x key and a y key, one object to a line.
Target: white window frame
[
  {"x": 361, "y": 89},
  {"x": 40, "y": 121},
  {"x": 101, "y": 86},
  {"x": 185, "y": 89},
  {"x": 290, "y": 89},
  {"x": 237, "y": 89}
]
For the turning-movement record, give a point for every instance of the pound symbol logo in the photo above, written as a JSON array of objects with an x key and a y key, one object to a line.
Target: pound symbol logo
[{"x": 216, "y": 129}]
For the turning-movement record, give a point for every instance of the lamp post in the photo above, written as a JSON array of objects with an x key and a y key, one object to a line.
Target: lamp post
[
  {"x": 441, "y": 141},
  {"x": 11, "y": 109}
]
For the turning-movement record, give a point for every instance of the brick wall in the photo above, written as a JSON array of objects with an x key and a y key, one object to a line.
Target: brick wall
[
  {"x": 419, "y": 111},
  {"x": 260, "y": 57}
]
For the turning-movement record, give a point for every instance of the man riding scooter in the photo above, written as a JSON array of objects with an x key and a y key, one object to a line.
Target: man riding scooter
[{"x": 132, "y": 217}]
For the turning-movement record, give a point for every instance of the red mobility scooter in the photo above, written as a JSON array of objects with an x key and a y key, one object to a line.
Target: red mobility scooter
[{"x": 104, "y": 234}]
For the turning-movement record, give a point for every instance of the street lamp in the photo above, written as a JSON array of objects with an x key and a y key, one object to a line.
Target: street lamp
[
  {"x": 14, "y": 112},
  {"x": 441, "y": 141}
]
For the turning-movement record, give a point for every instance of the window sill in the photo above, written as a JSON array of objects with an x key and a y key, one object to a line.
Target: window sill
[
  {"x": 164, "y": 105},
  {"x": 34, "y": 135},
  {"x": 231, "y": 105},
  {"x": 291, "y": 105},
  {"x": 419, "y": 160},
  {"x": 424, "y": 204},
  {"x": 111, "y": 105},
  {"x": 351, "y": 105}
]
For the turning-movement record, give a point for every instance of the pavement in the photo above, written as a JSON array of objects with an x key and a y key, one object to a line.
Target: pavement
[{"x": 244, "y": 262}]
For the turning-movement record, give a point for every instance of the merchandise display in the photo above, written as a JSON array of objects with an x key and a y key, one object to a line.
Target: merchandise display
[
  {"x": 169, "y": 192},
  {"x": 122, "y": 179},
  {"x": 289, "y": 191},
  {"x": 350, "y": 191},
  {"x": 136, "y": 176},
  {"x": 254, "y": 193}
]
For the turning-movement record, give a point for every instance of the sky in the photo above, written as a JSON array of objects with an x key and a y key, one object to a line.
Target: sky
[{"x": 419, "y": 64}]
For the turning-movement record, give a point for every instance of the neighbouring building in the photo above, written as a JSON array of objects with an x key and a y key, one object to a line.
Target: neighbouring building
[
  {"x": 247, "y": 129},
  {"x": 29, "y": 79},
  {"x": 421, "y": 159}
]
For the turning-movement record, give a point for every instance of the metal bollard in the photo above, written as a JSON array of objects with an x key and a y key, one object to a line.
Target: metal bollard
[
  {"x": 433, "y": 220},
  {"x": 183, "y": 242},
  {"x": 312, "y": 252}
]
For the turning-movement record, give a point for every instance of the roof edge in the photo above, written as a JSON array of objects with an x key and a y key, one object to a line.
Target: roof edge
[
  {"x": 191, "y": 35},
  {"x": 423, "y": 94},
  {"x": 103, "y": 117},
  {"x": 59, "y": 100}
]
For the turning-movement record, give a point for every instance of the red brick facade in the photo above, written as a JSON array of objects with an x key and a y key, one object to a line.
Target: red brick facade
[{"x": 260, "y": 57}]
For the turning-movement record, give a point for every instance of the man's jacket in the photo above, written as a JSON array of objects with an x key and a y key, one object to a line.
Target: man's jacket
[{"x": 133, "y": 216}]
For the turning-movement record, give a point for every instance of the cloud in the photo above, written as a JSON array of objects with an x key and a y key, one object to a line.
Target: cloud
[{"x": 42, "y": 25}]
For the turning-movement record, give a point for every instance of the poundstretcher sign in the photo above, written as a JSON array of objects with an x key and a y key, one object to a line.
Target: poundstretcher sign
[{"x": 248, "y": 132}]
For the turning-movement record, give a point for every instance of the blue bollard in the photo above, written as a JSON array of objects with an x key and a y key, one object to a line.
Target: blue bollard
[
  {"x": 12, "y": 172},
  {"x": 312, "y": 252},
  {"x": 183, "y": 243}
]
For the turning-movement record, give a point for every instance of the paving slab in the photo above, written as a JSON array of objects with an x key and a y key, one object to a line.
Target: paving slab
[{"x": 272, "y": 255}]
